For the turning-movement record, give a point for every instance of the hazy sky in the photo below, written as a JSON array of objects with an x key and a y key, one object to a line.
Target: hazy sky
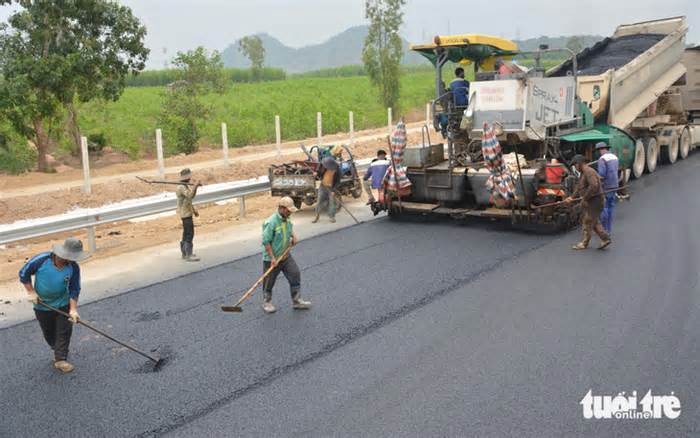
[{"x": 184, "y": 24}]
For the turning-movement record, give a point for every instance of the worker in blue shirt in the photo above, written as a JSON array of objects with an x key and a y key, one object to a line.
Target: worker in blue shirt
[
  {"x": 56, "y": 283},
  {"x": 460, "y": 88},
  {"x": 374, "y": 177},
  {"x": 608, "y": 166}
]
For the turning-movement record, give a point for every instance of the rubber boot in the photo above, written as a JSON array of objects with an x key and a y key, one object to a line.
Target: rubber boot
[
  {"x": 583, "y": 244},
  {"x": 64, "y": 366},
  {"x": 316, "y": 219},
  {"x": 190, "y": 256},
  {"x": 267, "y": 305},
  {"x": 299, "y": 304}
]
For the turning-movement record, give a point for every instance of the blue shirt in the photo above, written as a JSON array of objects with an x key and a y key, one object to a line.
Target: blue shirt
[
  {"x": 376, "y": 171},
  {"x": 55, "y": 287},
  {"x": 460, "y": 91},
  {"x": 608, "y": 166}
]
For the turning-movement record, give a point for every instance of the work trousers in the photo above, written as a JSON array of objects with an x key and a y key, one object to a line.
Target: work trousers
[
  {"x": 591, "y": 221},
  {"x": 290, "y": 270},
  {"x": 606, "y": 216},
  {"x": 187, "y": 236},
  {"x": 325, "y": 198},
  {"x": 57, "y": 330}
]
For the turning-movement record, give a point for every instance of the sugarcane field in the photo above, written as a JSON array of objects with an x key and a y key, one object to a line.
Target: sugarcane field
[{"x": 381, "y": 218}]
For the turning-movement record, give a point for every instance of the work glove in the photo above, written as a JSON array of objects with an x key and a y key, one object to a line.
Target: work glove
[
  {"x": 33, "y": 298},
  {"x": 73, "y": 316}
]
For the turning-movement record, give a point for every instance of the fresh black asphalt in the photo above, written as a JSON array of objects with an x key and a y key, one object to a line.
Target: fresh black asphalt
[{"x": 418, "y": 329}]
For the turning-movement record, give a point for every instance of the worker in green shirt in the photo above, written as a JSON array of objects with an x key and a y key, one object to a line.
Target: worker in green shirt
[{"x": 277, "y": 236}]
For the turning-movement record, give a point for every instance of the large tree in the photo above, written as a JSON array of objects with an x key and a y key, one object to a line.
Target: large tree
[
  {"x": 253, "y": 49},
  {"x": 183, "y": 111},
  {"x": 383, "y": 47},
  {"x": 54, "y": 53}
]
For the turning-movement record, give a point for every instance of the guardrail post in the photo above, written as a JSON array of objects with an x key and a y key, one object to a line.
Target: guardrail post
[
  {"x": 241, "y": 206},
  {"x": 351, "y": 123},
  {"x": 92, "y": 243},
  {"x": 87, "y": 186},
  {"x": 319, "y": 127},
  {"x": 224, "y": 143},
  {"x": 389, "y": 119},
  {"x": 159, "y": 152},
  {"x": 278, "y": 136}
]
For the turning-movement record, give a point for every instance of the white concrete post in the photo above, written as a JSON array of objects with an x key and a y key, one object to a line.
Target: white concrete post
[
  {"x": 427, "y": 114},
  {"x": 224, "y": 143},
  {"x": 319, "y": 128},
  {"x": 159, "y": 152},
  {"x": 389, "y": 119},
  {"x": 351, "y": 123},
  {"x": 278, "y": 136},
  {"x": 92, "y": 243},
  {"x": 87, "y": 186},
  {"x": 241, "y": 206}
]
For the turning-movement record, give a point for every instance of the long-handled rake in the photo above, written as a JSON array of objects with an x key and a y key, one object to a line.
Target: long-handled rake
[
  {"x": 157, "y": 362},
  {"x": 237, "y": 307}
]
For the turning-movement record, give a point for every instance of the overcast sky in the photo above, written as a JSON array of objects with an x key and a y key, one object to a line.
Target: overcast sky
[{"x": 184, "y": 24}]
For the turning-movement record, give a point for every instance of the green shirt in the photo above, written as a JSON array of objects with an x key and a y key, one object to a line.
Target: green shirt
[{"x": 277, "y": 232}]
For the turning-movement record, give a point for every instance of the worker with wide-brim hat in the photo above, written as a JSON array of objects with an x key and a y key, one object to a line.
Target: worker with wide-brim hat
[
  {"x": 56, "y": 283},
  {"x": 185, "y": 210}
]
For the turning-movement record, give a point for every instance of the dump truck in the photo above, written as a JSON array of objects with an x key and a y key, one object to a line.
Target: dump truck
[{"x": 637, "y": 91}]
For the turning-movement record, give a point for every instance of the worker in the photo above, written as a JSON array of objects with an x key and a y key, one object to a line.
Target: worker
[
  {"x": 185, "y": 194},
  {"x": 589, "y": 189},
  {"x": 460, "y": 88},
  {"x": 56, "y": 283},
  {"x": 278, "y": 235},
  {"x": 329, "y": 173},
  {"x": 374, "y": 177},
  {"x": 608, "y": 169},
  {"x": 554, "y": 172}
]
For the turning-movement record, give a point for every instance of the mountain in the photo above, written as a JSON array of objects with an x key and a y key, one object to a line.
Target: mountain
[
  {"x": 346, "y": 49},
  {"x": 342, "y": 49}
]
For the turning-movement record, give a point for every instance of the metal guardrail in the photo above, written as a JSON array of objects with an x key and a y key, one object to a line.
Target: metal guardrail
[{"x": 131, "y": 209}]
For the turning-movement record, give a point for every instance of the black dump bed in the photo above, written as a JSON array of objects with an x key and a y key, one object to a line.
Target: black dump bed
[{"x": 610, "y": 53}]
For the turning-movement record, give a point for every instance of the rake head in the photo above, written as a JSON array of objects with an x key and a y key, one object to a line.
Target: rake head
[{"x": 235, "y": 309}]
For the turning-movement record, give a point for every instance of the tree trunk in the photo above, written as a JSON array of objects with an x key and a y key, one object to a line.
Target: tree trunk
[
  {"x": 73, "y": 127},
  {"x": 42, "y": 145}
]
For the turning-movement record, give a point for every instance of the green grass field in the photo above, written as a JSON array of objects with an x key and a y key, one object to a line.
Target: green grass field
[{"x": 249, "y": 110}]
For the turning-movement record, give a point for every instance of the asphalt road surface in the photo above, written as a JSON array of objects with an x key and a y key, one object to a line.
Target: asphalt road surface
[{"x": 418, "y": 329}]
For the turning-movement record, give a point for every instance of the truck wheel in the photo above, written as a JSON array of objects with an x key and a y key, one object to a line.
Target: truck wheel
[
  {"x": 684, "y": 144},
  {"x": 651, "y": 147},
  {"x": 639, "y": 159},
  {"x": 297, "y": 203},
  {"x": 669, "y": 154},
  {"x": 357, "y": 192}
]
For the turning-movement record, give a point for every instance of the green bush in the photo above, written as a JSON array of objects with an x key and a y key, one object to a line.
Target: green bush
[
  {"x": 16, "y": 156},
  {"x": 96, "y": 141}
]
